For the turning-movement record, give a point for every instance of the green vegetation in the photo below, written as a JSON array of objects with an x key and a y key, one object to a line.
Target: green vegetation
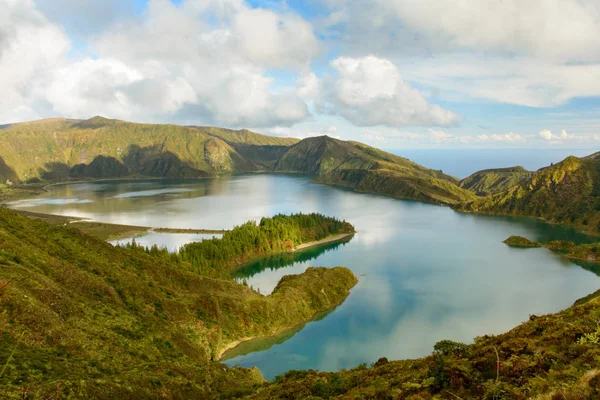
[
  {"x": 80, "y": 318},
  {"x": 584, "y": 252},
  {"x": 563, "y": 246},
  {"x": 369, "y": 170},
  {"x": 493, "y": 181},
  {"x": 99, "y": 148},
  {"x": 60, "y": 149},
  {"x": 218, "y": 257},
  {"x": 519, "y": 241},
  {"x": 565, "y": 193},
  {"x": 549, "y": 357}
]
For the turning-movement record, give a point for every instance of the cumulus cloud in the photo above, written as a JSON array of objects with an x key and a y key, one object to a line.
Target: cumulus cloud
[
  {"x": 370, "y": 91},
  {"x": 547, "y": 134},
  {"x": 201, "y": 61},
  {"x": 30, "y": 47},
  {"x": 538, "y": 53}
]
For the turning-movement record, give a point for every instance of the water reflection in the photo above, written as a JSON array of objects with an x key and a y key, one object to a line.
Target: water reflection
[
  {"x": 283, "y": 260},
  {"x": 267, "y": 343},
  {"x": 170, "y": 241}
]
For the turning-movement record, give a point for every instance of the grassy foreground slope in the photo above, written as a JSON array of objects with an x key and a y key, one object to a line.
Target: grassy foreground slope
[
  {"x": 549, "y": 357},
  {"x": 81, "y": 318},
  {"x": 370, "y": 170},
  {"x": 493, "y": 181},
  {"x": 566, "y": 193}
]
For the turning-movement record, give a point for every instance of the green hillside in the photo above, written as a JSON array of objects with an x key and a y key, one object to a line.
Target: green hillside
[
  {"x": 493, "y": 181},
  {"x": 60, "y": 149},
  {"x": 367, "y": 169},
  {"x": 80, "y": 318},
  {"x": 567, "y": 193},
  {"x": 57, "y": 149},
  {"x": 546, "y": 358}
]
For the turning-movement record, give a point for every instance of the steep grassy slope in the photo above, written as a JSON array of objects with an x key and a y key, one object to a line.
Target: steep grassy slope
[
  {"x": 547, "y": 358},
  {"x": 567, "y": 192},
  {"x": 493, "y": 181},
  {"x": 57, "y": 148},
  {"x": 87, "y": 320},
  {"x": 367, "y": 169}
]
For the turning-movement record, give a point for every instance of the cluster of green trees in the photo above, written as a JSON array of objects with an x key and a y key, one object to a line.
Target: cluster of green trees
[{"x": 217, "y": 257}]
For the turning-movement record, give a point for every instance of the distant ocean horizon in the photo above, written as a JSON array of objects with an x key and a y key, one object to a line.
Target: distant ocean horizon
[{"x": 464, "y": 162}]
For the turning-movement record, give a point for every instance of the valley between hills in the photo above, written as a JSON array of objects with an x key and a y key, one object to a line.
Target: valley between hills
[{"x": 80, "y": 318}]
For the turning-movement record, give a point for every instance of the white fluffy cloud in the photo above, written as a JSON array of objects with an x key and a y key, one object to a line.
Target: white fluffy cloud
[
  {"x": 538, "y": 53},
  {"x": 547, "y": 134},
  {"x": 369, "y": 91},
  {"x": 30, "y": 47},
  {"x": 202, "y": 61},
  {"x": 231, "y": 63}
]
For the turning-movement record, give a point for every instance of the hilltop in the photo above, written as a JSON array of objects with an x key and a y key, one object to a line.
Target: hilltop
[
  {"x": 367, "y": 169},
  {"x": 60, "y": 149},
  {"x": 493, "y": 181}
]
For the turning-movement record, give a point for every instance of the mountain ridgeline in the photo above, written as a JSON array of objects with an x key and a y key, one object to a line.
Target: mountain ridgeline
[{"x": 60, "y": 149}]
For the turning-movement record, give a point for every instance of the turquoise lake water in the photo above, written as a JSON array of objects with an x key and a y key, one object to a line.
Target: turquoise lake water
[{"x": 426, "y": 273}]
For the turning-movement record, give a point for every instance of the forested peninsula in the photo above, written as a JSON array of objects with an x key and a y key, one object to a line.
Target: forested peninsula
[{"x": 80, "y": 318}]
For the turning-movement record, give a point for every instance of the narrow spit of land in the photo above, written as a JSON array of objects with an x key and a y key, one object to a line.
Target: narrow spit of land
[{"x": 106, "y": 231}]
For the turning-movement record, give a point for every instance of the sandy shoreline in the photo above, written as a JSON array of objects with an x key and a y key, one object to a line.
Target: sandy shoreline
[{"x": 328, "y": 239}]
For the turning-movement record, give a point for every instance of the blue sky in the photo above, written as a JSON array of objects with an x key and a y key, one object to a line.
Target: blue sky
[{"x": 394, "y": 74}]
